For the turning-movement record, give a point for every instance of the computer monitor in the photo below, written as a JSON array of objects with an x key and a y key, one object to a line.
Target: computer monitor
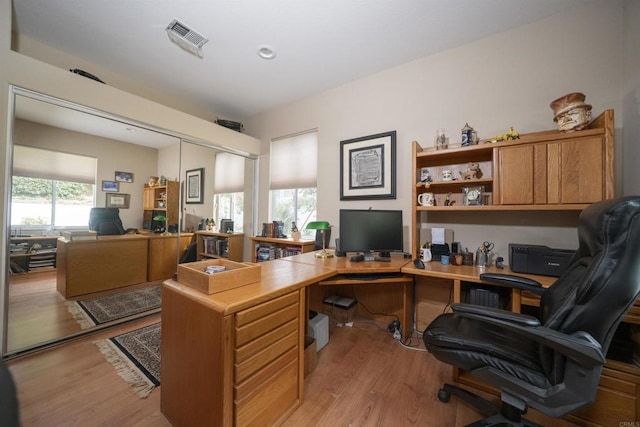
[{"x": 367, "y": 231}]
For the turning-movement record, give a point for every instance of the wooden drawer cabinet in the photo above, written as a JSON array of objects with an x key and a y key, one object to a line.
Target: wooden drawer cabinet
[
  {"x": 267, "y": 349},
  {"x": 616, "y": 402},
  {"x": 240, "y": 368}
]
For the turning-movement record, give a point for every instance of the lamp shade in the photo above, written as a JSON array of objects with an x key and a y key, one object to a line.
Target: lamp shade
[{"x": 318, "y": 225}]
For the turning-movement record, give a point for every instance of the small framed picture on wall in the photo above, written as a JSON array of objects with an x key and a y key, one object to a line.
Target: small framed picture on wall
[{"x": 112, "y": 186}]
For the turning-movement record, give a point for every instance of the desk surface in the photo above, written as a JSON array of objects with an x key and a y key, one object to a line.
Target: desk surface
[
  {"x": 286, "y": 274},
  {"x": 343, "y": 265},
  {"x": 467, "y": 272}
]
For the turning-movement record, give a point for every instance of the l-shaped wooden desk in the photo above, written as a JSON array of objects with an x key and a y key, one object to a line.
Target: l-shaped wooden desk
[{"x": 236, "y": 358}]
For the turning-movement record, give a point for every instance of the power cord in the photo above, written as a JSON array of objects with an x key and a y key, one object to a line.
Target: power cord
[{"x": 395, "y": 327}]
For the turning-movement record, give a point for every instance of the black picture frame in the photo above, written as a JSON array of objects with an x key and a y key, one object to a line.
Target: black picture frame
[
  {"x": 194, "y": 182},
  {"x": 368, "y": 167}
]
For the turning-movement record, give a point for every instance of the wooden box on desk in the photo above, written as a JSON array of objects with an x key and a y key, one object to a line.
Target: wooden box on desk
[{"x": 236, "y": 274}]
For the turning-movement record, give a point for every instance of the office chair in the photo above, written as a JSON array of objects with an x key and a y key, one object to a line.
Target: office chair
[
  {"x": 106, "y": 221},
  {"x": 551, "y": 363},
  {"x": 9, "y": 407}
]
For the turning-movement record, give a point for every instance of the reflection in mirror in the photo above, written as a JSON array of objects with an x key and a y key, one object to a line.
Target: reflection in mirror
[
  {"x": 66, "y": 161},
  {"x": 226, "y": 204}
]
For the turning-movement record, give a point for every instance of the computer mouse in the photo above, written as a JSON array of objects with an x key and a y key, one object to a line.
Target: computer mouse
[{"x": 418, "y": 263}]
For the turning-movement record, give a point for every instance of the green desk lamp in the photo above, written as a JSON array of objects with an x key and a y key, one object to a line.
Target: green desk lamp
[
  {"x": 322, "y": 226},
  {"x": 166, "y": 224}
]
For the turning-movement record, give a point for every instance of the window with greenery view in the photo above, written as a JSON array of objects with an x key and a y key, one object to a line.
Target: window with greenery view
[
  {"x": 38, "y": 203},
  {"x": 230, "y": 206},
  {"x": 295, "y": 204}
]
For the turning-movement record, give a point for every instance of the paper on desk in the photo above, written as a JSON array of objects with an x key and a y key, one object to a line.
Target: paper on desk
[{"x": 437, "y": 236}]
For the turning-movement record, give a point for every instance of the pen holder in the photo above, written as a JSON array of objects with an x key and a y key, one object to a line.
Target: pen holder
[{"x": 482, "y": 258}]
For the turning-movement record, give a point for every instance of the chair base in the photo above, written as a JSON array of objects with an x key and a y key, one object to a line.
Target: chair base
[{"x": 495, "y": 415}]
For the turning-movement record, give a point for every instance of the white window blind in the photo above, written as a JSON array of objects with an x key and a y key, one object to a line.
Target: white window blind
[
  {"x": 294, "y": 161},
  {"x": 229, "y": 173},
  {"x": 45, "y": 164}
]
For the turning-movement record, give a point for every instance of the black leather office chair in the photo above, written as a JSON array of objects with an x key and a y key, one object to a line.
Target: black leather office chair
[
  {"x": 106, "y": 221},
  {"x": 9, "y": 409},
  {"x": 551, "y": 363}
]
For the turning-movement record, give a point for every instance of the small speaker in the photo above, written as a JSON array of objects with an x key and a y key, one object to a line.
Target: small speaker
[{"x": 338, "y": 250}]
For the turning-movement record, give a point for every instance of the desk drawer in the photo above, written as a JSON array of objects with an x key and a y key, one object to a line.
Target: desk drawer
[
  {"x": 244, "y": 389},
  {"x": 263, "y": 358},
  {"x": 259, "y": 311},
  {"x": 270, "y": 401},
  {"x": 268, "y": 321},
  {"x": 260, "y": 343}
]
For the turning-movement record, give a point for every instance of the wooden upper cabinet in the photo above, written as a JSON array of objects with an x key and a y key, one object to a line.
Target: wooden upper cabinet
[
  {"x": 558, "y": 168},
  {"x": 567, "y": 171},
  {"x": 149, "y": 198},
  {"x": 577, "y": 171},
  {"x": 516, "y": 172}
]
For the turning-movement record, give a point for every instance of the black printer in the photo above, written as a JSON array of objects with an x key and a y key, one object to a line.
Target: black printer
[{"x": 538, "y": 259}]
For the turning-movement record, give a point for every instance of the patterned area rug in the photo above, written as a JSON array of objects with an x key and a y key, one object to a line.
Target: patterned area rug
[
  {"x": 136, "y": 357},
  {"x": 94, "y": 311}
]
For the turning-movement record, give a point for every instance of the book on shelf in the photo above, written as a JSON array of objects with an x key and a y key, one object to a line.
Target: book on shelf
[
  {"x": 212, "y": 245},
  {"x": 273, "y": 229}
]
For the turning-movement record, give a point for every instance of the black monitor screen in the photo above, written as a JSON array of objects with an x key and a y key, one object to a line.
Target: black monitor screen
[{"x": 370, "y": 230}]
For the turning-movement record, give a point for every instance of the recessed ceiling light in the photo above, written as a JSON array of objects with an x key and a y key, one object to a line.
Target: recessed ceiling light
[{"x": 266, "y": 52}]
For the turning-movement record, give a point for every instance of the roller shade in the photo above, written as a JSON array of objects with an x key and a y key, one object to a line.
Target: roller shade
[
  {"x": 38, "y": 163},
  {"x": 229, "y": 173},
  {"x": 294, "y": 161}
]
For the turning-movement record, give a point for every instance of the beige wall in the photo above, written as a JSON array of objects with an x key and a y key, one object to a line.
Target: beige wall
[
  {"x": 631, "y": 98},
  {"x": 111, "y": 156},
  {"x": 504, "y": 80}
]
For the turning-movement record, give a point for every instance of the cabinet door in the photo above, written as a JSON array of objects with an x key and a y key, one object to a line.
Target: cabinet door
[
  {"x": 576, "y": 171},
  {"x": 148, "y": 200},
  {"x": 516, "y": 171}
]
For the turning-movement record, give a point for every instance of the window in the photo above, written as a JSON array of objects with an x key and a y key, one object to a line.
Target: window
[
  {"x": 293, "y": 182},
  {"x": 228, "y": 188},
  {"x": 51, "y": 189}
]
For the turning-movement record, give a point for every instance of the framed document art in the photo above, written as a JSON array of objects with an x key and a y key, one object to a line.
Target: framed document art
[
  {"x": 117, "y": 200},
  {"x": 195, "y": 186},
  {"x": 368, "y": 167}
]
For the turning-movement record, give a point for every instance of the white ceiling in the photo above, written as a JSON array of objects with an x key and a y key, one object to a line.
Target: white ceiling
[{"x": 319, "y": 44}]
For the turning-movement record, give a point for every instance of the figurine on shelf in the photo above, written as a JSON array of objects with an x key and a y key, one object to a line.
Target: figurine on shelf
[
  {"x": 511, "y": 135},
  {"x": 472, "y": 172},
  {"x": 295, "y": 233},
  {"x": 425, "y": 176},
  {"x": 448, "y": 201}
]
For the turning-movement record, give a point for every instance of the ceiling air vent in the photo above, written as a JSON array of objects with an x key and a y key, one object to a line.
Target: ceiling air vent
[{"x": 186, "y": 38}]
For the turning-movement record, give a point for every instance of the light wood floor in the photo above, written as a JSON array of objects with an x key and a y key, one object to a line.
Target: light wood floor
[
  {"x": 38, "y": 313},
  {"x": 363, "y": 378}
]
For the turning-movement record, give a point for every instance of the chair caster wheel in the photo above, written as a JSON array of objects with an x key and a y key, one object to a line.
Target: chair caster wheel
[{"x": 443, "y": 395}]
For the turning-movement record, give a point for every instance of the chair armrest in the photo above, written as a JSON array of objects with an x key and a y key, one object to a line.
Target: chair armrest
[
  {"x": 495, "y": 313},
  {"x": 579, "y": 347},
  {"x": 512, "y": 281}
]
